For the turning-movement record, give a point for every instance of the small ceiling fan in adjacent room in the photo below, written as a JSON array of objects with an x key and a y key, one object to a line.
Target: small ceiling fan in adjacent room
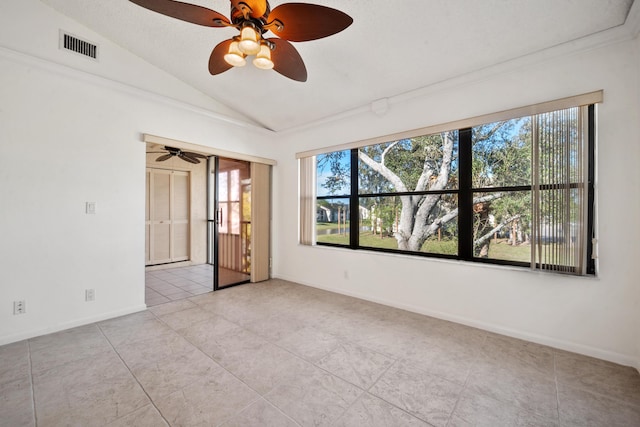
[
  {"x": 296, "y": 22},
  {"x": 187, "y": 156}
]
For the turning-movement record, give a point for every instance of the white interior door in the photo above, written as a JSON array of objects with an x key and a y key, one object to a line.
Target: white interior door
[{"x": 167, "y": 216}]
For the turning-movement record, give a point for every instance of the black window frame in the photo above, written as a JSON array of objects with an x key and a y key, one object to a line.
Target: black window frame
[{"x": 464, "y": 193}]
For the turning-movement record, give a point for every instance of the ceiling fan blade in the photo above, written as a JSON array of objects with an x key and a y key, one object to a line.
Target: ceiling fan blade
[
  {"x": 185, "y": 12},
  {"x": 287, "y": 61},
  {"x": 258, "y": 7},
  {"x": 299, "y": 22},
  {"x": 192, "y": 154},
  {"x": 217, "y": 64},
  {"x": 163, "y": 158},
  {"x": 189, "y": 159}
]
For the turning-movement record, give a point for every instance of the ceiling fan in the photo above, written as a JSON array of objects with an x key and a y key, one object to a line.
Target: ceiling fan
[
  {"x": 295, "y": 22},
  {"x": 187, "y": 156}
]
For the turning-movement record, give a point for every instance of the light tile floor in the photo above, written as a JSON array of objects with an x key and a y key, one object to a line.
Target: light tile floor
[
  {"x": 172, "y": 284},
  {"x": 281, "y": 354}
]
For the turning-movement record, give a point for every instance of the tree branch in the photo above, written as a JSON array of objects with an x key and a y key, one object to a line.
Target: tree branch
[
  {"x": 487, "y": 198},
  {"x": 435, "y": 225},
  {"x": 386, "y": 150},
  {"x": 447, "y": 156},
  {"x": 488, "y": 135},
  {"x": 495, "y": 229},
  {"x": 454, "y": 213},
  {"x": 384, "y": 171},
  {"x": 426, "y": 175}
]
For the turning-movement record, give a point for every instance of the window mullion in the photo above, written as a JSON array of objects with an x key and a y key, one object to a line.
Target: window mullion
[
  {"x": 591, "y": 138},
  {"x": 465, "y": 196},
  {"x": 354, "y": 203}
]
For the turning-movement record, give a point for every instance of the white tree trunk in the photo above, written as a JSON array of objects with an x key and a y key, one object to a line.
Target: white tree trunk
[{"x": 413, "y": 227}]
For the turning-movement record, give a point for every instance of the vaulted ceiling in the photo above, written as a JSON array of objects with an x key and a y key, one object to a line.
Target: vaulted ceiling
[{"x": 392, "y": 47}]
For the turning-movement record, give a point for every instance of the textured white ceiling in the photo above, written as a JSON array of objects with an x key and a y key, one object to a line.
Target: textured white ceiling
[{"x": 391, "y": 48}]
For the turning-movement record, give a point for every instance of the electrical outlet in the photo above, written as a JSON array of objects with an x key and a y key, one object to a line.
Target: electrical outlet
[
  {"x": 89, "y": 294},
  {"x": 90, "y": 208},
  {"x": 19, "y": 307}
]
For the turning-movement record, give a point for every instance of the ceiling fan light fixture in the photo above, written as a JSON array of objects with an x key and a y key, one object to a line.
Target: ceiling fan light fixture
[
  {"x": 289, "y": 22},
  {"x": 263, "y": 58},
  {"x": 249, "y": 40},
  {"x": 235, "y": 56}
]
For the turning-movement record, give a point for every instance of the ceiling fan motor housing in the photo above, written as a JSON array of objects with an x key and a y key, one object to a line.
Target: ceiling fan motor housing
[{"x": 255, "y": 11}]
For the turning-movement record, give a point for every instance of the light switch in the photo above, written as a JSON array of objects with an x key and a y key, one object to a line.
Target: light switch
[{"x": 91, "y": 208}]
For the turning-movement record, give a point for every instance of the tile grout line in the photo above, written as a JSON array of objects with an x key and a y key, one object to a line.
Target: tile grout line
[
  {"x": 364, "y": 390},
  {"x": 466, "y": 382},
  {"x": 357, "y": 344},
  {"x": 253, "y": 402},
  {"x": 591, "y": 390},
  {"x": 33, "y": 390},
  {"x": 209, "y": 357},
  {"x": 555, "y": 380},
  {"x": 395, "y": 361},
  {"x": 269, "y": 341},
  {"x": 134, "y": 377}
]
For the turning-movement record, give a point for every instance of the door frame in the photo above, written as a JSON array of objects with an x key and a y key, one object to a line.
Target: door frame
[
  {"x": 263, "y": 161},
  {"x": 215, "y": 216}
]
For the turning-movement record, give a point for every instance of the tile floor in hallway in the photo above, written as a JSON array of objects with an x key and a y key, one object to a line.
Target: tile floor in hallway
[
  {"x": 173, "y": 284},
  {"x": 282, "y": 354}
]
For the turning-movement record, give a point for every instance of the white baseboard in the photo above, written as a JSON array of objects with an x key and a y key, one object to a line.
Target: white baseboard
[
  {"x": 8, "y": 339},
  {"x": 573, "y": 347}
]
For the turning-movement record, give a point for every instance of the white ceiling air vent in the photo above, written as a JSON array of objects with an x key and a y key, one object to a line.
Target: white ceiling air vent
[{"x": 74, "y": 44}]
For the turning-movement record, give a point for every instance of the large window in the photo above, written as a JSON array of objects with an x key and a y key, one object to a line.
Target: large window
[{"x": 516, "y": 192}]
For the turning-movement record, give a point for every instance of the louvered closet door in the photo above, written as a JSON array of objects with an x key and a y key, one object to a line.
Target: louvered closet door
[{"x": 167, "y": 216}]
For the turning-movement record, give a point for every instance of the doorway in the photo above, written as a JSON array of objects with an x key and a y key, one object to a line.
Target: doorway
[
  {"x": 229, "y": 219},
  {"x": 221, "y": 220}
]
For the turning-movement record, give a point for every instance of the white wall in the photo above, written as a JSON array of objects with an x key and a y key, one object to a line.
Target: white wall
[
  {"x": 67, "y": 137},
  {"x": 31, "y": 27},
  {"x": 637, "y": 85},
  {"x": 595, "y": 316}
]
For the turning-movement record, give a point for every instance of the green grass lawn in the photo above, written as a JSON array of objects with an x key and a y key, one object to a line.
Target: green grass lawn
[
  {"x": 320, "y": 226},
  {"x": 499, "y": 249},
  {"x": 338, "y": 239},
  {"x": 367, "y": 239}
]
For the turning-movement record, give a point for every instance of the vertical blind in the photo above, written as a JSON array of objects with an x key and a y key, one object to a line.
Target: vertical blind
[
  {"x": 260, "y": 221},
  {"x": 559, "y": 187},
  {"x": 307, "y": 191}
]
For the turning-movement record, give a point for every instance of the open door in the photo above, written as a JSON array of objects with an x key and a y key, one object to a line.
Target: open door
[{"x": 230, "y": 228}]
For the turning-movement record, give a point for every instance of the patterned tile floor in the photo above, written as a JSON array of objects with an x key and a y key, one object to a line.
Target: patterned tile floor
[{"x": 281, "y": 354}]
